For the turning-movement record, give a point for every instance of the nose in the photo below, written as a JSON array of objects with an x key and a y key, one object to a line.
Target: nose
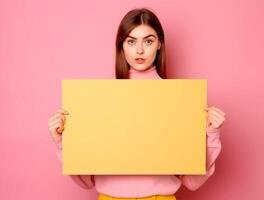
[{"x": 140, "y": 49}]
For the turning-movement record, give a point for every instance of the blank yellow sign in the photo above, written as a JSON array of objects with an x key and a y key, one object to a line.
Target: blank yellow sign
[{"x": 134, "y": 126}]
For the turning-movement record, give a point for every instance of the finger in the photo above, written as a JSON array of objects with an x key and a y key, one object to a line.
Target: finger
[
  {"x": 60, "y": 129},
  {"x": 218, "y": 110},
  {"x": 214, "y": 118},
  {"x": 60, "y": 110},
  {"x": 54, "y": 128},
  {"x": 58, "y": 115},
  {"x": 55, "y": 116},
  {"x": 62, "y": 117},
  {"x": 215, "y": 124},
  {"x": 207, "y": 122},
  {"x": 56, "y": 121},
  {"x": 57, "y": 128},
  {"x": 216, "y": 114}
]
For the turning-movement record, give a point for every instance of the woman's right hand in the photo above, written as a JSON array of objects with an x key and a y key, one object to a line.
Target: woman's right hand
[{"x": 56, "y": 124}]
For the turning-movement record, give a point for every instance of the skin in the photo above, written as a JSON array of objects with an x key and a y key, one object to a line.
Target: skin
[
  {"x": 215, "y": 117},
  {"x": 56, "y": 123},
  {"x": 133, "y": 48},
  {"x": 140, "y": 44}
]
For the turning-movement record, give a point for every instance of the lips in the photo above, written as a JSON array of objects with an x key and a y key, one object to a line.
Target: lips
[{"x": 140, "y": 60}]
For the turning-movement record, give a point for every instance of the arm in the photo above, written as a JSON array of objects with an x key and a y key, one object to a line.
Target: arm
[
  {"x": 213, "y": 148},
  {"x": 84, "y": 181}
]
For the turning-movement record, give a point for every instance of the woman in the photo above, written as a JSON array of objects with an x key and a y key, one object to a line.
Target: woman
[{"x": 140, "y": 54}]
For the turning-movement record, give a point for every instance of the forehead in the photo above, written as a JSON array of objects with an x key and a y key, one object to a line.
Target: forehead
[{"x": 142, "y": 30}]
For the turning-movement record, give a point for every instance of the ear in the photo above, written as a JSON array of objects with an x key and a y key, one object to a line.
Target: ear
[{"x": 159, "y": 46}]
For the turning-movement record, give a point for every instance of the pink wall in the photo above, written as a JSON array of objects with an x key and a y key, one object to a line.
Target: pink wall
[{"x": 42, "y": 42}]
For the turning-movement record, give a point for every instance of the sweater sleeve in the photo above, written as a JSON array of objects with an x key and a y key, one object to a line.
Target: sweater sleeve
[
  {"x": 213, "y": 148},
  {"x": 84, "y": 181}
]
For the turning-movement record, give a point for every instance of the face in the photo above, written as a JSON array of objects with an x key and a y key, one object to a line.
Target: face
[{"x": 142, "y": 42}]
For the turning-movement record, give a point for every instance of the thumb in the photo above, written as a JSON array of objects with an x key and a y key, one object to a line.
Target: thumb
[
  {"x": 206, "y": 108},
  {"x": 207, "y": 122}
]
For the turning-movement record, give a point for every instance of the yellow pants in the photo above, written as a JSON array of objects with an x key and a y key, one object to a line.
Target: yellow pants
[{"x": 153, "y": 197}]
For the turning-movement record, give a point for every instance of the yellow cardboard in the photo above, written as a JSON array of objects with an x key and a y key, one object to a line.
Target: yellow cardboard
[{"x": 134, "y": 126}]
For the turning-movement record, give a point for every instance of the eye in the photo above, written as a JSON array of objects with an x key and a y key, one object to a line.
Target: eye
[
  {"x": 149, "y": 42},
  {"x": 130, "y": 42}
]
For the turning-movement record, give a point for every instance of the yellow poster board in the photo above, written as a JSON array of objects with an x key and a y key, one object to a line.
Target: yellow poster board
[{"x": 134, "y": 126}]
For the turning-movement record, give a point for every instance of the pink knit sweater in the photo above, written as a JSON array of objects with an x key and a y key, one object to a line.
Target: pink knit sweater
[{"x": 145, "y": 185}]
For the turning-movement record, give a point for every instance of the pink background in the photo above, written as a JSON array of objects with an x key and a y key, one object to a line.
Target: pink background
[{"x": 43, "y": 42}]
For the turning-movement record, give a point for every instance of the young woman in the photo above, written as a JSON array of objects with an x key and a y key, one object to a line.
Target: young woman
[{"x": 140, "y": 54}]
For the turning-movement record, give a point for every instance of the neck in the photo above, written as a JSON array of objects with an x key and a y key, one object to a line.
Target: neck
[{"x": 150, "y": 73}]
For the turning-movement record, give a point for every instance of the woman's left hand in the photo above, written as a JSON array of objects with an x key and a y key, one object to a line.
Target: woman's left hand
[{"x": 215, "y": 117}]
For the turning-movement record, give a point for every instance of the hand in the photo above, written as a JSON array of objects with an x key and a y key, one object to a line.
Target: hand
[
  {"x": 215, "y": 117},
  {"x": 56, "y": 124}
]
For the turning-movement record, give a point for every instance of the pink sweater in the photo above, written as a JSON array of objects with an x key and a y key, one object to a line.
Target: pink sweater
[{"x": 145, "y": 185}]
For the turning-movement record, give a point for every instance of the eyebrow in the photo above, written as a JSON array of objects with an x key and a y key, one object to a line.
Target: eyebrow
[{"x": 143, "y": 37}]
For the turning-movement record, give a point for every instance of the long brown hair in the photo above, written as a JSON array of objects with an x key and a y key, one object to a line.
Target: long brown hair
[{"x": 130, "y": 21}]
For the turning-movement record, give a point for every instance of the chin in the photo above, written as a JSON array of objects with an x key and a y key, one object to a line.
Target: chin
[{"x": 140, "y": 67}]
